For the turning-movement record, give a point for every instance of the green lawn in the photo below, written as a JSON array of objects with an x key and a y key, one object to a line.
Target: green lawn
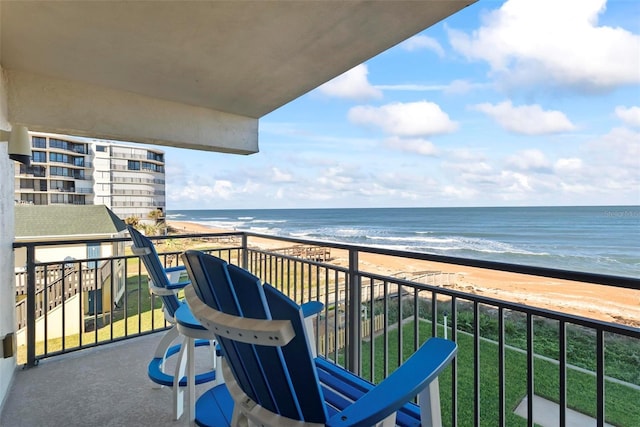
[{"x": 581, "y": 386}]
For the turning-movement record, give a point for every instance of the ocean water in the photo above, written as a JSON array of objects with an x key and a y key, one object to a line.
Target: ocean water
[{"x": 597, "y": 239}]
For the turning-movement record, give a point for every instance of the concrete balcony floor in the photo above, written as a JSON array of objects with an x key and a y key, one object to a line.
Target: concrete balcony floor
[{"x": 102, "y": 386}]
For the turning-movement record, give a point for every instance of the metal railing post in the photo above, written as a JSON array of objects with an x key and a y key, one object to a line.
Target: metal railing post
[
  {"x": 31, "y": 306},
  {"x": 353, "y": 303},
  {"x": 245, "y": 253}
]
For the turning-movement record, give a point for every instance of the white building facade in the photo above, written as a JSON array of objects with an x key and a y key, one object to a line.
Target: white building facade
[{"x": 129, "y": 180}]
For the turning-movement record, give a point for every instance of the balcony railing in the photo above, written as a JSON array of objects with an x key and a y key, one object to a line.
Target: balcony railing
[{"x": 509, "y": 354}]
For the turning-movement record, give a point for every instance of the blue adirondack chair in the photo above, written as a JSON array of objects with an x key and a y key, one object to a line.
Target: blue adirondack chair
[
  {"x": 271, "y": 376},
  {"x": 165, "y": 283}
]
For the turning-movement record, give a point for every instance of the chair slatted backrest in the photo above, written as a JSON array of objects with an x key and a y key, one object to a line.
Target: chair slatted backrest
[
  {"x": 282, "y": 380},
  {"x": 154, "y": 268},
  {"x": 298, "y": 357}
]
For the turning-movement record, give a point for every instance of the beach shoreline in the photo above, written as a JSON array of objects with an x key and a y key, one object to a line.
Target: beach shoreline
[{"x": 606, "y": 303}]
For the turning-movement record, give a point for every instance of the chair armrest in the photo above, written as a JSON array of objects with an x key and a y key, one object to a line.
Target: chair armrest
[
  {"x": 179, "y": 268},
  {"x": 140, "y": 251},
  {"x": 311, "y": 308},
  {"x": 310, "y": 311},
  {"x": 178, "y": 285},
  {"x": 401, "y": 386},
  {"x": 160, "y": 291},
  {"x": 173, "y": 274}
]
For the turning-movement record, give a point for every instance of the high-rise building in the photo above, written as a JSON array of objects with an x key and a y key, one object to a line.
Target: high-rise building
[{"x": 129, "y": 180}]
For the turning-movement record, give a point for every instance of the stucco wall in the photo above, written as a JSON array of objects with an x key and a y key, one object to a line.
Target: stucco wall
[{"x": 7, "y": 291}]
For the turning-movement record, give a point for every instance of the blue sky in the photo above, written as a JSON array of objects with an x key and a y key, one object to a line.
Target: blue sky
[{"x": 516, "y": 103}]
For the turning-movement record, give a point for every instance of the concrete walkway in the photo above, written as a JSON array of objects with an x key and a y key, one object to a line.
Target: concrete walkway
[
  {"x": 547, "y": 413},
  {"x": 103, "y": 386}
]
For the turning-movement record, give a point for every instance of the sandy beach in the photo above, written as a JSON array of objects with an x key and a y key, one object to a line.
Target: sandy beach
[{"x": 598, "y": 302}]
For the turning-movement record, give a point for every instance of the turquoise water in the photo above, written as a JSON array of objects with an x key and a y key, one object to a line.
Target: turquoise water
[{"x": 597, "y": 239}]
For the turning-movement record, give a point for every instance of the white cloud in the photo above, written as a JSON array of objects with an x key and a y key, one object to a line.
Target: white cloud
[
  {"x": 630, "y": 116},
  {"x": 405, "y": 119},
  {"x": 459, "y": 192},
  {"x": 467, "y": 168},
  {"x": 617, "y": 149},
  {"x": 456, "y": 87},
  {"x": 337, "y": 178},
  {"x": 412, "y": 145},
  {"x": 460, "y": 87},
  {"x": 553, "y": 42},
  {"x": 516, "y": 183},
  {"x": 413, "y": 87},
  {"x": 529, "y": 160},
  {"x": 279, "y": 176},
  {"x": 568, "y": 166},
  {"x": 466, "y": 155},
  {"x": 219, "y": 189},
  {"x": 526, "y": 119},
  {"x": 352, "y": 85},
  {"x": 422, "y": 42}
]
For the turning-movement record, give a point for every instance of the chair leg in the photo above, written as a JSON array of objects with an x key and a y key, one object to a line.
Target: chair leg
[
  {"x": 429, "y": 401},
  {"x": 191, "y": 378},
  {"x": 212, "y": 354},
  {"x": 178, "y": 392},
  {"x": 163, "y": 347},
  {"x": 390, "y": 421}
]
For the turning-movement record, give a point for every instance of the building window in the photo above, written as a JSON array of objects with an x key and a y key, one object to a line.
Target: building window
[
  {"x": 158, "y": 157},
  {"x": 36, "y": 199},
  {"x": 101, "y": 148},
  {"x": 39, "y": 142},
  {"x": 58, "y": 158},
  {"x": 58, "y": 171},
  {"x": 152, "y": 167},
  {"x": 69, "y": 146},
  {"x": 133, "y": 165},
  {"x": 26, "y": 183},
  {"x": 38, "y": 171},
  {"x": 39, "y": 156}
]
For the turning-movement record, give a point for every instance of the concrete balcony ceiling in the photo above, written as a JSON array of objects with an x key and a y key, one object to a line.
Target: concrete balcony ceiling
[{"x": 150, "y": 71}]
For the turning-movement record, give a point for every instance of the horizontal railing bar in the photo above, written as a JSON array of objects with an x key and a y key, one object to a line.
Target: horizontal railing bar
[
  {"x": 17, "y": 245},
  {"x": 585, "y": 277}
]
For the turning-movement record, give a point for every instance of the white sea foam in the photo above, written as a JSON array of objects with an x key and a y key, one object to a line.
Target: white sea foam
[
  {"x": 413, "y": 239},
  {"x": 264, "y": 230},
  {"x": 452, "y": 244},
  {"x": 300, "y": 233},
  {"x": 227, "y": 225},
  {"x": 348, "y": 232}
]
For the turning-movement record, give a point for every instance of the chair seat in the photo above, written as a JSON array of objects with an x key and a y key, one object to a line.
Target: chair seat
[
  {"x": 185, "y": 318},
  {"x": 214, "y": 408},
  {"x": 157, "y": 376}
]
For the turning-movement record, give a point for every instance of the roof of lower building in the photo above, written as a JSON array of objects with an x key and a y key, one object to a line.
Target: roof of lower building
[{"x": 65, "y": 221}]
